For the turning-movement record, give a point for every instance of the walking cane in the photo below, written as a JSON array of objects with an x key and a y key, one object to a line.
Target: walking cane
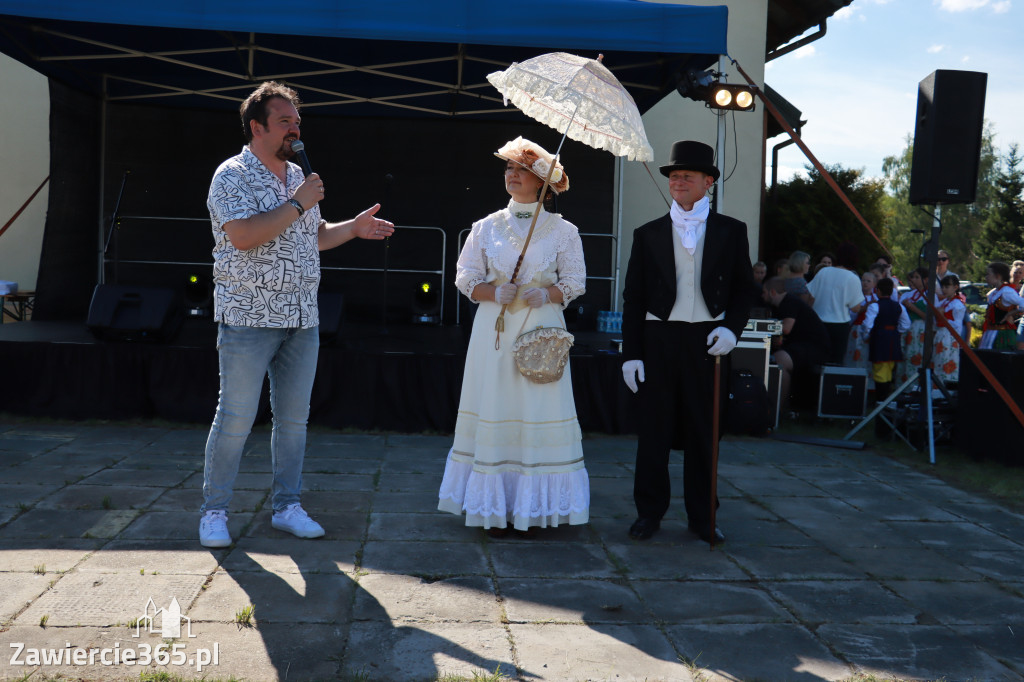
[{"x": 714, "y": 448}]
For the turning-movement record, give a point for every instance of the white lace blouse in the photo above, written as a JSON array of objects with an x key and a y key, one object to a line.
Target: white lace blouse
[{"x": 554, "y": 258}]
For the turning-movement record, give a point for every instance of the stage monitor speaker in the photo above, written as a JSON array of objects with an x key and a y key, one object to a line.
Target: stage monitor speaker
[
  {"x": 985, "y": 427},
  {"x": 947, "y": 137},
  {"x": 121, "y": 312}
]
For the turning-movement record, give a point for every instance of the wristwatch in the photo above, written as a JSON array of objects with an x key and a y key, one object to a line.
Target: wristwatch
[{"x": 297, "y": 205}]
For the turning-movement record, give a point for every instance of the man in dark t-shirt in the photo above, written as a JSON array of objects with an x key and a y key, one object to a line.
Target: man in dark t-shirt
[{"x": 804, "y": 343}]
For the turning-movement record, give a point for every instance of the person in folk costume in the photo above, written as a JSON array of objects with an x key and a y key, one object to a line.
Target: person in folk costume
[
  {"x": 686, "y": 300},
  {"x": 1000, "y": 330},
  {"x": 884, "y": 322},
  {"x": 953, "y": 306},
  {"x": 857, "y": 347},
  {"x": 913, "y": 339},
  {"x": 517, "y": 456}
]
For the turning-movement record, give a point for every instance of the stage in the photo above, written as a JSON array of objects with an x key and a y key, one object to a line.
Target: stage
[{"x": 403, "y": 378}]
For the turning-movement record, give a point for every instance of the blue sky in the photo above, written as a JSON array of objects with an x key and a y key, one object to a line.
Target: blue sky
[{"x": 857, "y": 86}]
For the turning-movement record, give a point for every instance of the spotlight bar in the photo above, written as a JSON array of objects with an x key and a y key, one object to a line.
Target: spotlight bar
[{"x": 731, "y": 97}]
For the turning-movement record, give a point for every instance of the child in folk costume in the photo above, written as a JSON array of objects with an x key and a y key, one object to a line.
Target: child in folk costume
[
  {"x": 857, "y": 348},
  {"x": 1000, "y": 330},
  {"x": 953, "y": 306},
  {"x": 884, "y": 322},
  {"x": 913, "y": 340}
]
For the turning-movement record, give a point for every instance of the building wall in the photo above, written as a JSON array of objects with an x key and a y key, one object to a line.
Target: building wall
[
  {"x": 26, "y": 143},
  {"x": 677, "y": 118}
]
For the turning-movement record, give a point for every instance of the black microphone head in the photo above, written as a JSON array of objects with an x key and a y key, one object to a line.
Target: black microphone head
[{"x": 389, "y": 177}]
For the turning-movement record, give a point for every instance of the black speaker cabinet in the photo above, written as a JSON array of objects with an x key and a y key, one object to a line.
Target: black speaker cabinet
[
  {"x": 947, "y": 137},
  {"x": 331, "y": 307},
  {"x": 120, "y": 312},
  {"x": 985, "y": 426}
]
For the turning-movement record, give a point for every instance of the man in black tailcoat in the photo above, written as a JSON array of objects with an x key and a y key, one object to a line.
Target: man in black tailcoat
[{"x": 686, "y": 300}]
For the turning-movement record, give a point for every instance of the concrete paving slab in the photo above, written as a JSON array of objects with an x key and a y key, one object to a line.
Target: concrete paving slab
[
  {"x": 961, "y": 535},
  {"x": 898, "y": 508},
  {"x": 435, "y": 526},
  {"x": 278, "y": 597},
  {"x": 779, "y": 652},
  {"x": 1007, "y": 566},
  {"x": 30, "y": 473},
  {"x": 859, "y": 532},
  {"x": 797, "y": 563},
  {"x": 907, "y": 563},
  {"x": 625, "y": 653},
  {"x": 336, "y": 501},
  {"x": 9, "y": 458},
  {"x": 710, "y": 602},
  {"x": 292, "y": 555},
  {"x": 32, "y": 445},
  {"x": 108, "y": 599},
  {"x": 963, "y": 603},
  {"x": 571, "y": 601},
  {"x": 25, "y": 494},
  {"x": 692, "y": 561},
  {"x": 163, "y": 557},
  {"x": 425, "y": 651},
  {"x": 1002, "y": 643},
  {"x": 190, "y": 500},
  {"x": 32, "y": 643},
  {"x": 339, "y": 483},
  {"x": 406, "y": 464},
  {"x": 425, "y": 558},
  {"x": 138, "y": 477},
  {"x": 549, "y": 560},
  {"x": 411, "y": 482},
  {"x": 777, "y": 486},
  {"x": 57, "y": 555},
  {"x": 919, "y": 652},
  {"x": 53, "y": 523},
  {"x": 80, "y": 496},
  {"x": 18, "y": 590},
  {"x": 403, "y": 600},
  {"x": 991, "y": 516},
  {"x": 842, "y": 601},
  {"x": 160, "y": 525},
  {"x": 763, "y": 533},
  {"x": 152, "y": 462},
  {"x": 407, "y": 442},
  {"x": 416, "y": 501},
  {"x": 339, "y": 526},
  {"x": 616, "y": 530},
  {"x": 337, "y": 465},
  {"x": 100, "y": 455},
  {"x": 603, "y": 469},
  {"x": 8, "y": 513}
]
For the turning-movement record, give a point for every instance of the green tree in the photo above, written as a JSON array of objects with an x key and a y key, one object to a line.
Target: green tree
[
  {"x": 907, "y": 227},
  {"x": 805, "y": 214},
  {"x": 1002, "y": 232}
]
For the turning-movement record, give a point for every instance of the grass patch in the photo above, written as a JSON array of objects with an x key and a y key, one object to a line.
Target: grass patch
[
  {"x": 245, "y": 615},
  {"x": 40, "y": 569},
  {"x": 107, "y": 503},
  {"x": 43, "y": 620}
]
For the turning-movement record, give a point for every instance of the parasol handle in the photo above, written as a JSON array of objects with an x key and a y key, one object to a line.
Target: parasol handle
[{"x": 499, "y": 324}]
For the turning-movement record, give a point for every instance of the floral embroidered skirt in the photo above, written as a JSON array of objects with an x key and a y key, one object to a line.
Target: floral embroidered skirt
[{"x": 517, "y": 458}]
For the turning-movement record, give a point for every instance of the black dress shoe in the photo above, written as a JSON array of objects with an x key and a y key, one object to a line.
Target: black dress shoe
[
  {"x": 644, "y": 528},
  {"x": 701, "y": 531}
]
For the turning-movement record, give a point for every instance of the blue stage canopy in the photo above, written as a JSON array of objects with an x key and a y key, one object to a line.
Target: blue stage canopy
[{"x": 624, "y": 25}]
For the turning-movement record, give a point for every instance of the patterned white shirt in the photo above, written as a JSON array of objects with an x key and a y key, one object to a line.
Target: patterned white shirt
[{"x": 273, "y": 284}]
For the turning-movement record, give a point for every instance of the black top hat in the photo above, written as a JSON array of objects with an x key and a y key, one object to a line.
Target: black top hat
[{"x": 691, "y": 155}]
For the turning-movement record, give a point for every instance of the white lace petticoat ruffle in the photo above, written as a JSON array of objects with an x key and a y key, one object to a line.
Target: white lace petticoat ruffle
[{"x": 513, "y": 498}]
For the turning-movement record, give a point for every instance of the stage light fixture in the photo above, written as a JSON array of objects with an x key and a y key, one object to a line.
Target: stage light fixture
[
  {"x": 425, "y": 304},
  {"x": 731, "y": 97}
]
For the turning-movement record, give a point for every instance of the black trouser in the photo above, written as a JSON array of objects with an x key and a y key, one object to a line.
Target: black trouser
[
  {"x": 839, "y": 337},
  {"x": 676, "y": 397}
]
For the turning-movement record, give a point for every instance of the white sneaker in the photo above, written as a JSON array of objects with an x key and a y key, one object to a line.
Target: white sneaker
[
  {"x": 213, "y": 529},
  {"x": 296, "y": 521}
]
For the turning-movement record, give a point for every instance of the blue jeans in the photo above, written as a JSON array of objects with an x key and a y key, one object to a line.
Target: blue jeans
[{"x": 247, "y": 354}]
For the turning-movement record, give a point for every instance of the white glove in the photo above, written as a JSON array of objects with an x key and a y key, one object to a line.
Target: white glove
[
  {"x": 633, "y": 371},
  {"x": 505, "y": 294},
  {"x": 535, "y": 297},
  {"x": 725, "y": 342}
]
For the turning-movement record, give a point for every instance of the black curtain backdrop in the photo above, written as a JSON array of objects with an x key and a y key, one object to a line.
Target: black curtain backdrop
[{"x": 425, "y": 172}]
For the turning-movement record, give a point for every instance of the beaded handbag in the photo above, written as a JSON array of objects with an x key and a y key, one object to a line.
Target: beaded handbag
[{"x": 542, "y": 353}]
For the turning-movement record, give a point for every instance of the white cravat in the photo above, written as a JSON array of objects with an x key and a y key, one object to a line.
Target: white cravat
[{"x": 690, "y": 224}]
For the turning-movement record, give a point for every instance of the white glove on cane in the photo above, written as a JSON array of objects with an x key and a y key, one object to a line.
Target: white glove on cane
[
  {"x": 505, "y": 294},
  {"x": 725, "y": 342},
  {"x": 633, "y": 371},
  {"x": 535, "y": 297}
]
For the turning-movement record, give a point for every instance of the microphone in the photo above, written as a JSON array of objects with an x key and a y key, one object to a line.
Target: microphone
[{"x": 300, "y": 155}]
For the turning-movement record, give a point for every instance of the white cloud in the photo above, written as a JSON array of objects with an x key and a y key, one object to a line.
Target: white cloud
[
  {"x": 846, "y": 13},
  {"x": 1001, "y": 7},
  {"x": 960, "y": 5},
  {"x": 965, "y": 59},
  {"x": 805, "y": 52},
  {"x": 935, "y": 49}
]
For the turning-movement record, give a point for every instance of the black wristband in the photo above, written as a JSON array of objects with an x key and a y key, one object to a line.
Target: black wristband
[{"x": 298, "y": 206}]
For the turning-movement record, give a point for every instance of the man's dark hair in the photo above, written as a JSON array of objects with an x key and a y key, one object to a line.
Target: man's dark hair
[
  {"x": 847, "y": 255},
  {"x": 884, "y": 287},
  {"x": 254, "y": 108},
  {"x": 1001, "y": 269},
  {"x": 776, "y": 284}
]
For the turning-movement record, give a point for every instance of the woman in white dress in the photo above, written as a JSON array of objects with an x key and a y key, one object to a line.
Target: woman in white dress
[{"x": 517, "y": 459}]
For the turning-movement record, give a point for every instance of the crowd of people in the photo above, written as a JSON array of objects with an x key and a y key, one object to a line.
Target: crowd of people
[{"x": 832, "y": 315}]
